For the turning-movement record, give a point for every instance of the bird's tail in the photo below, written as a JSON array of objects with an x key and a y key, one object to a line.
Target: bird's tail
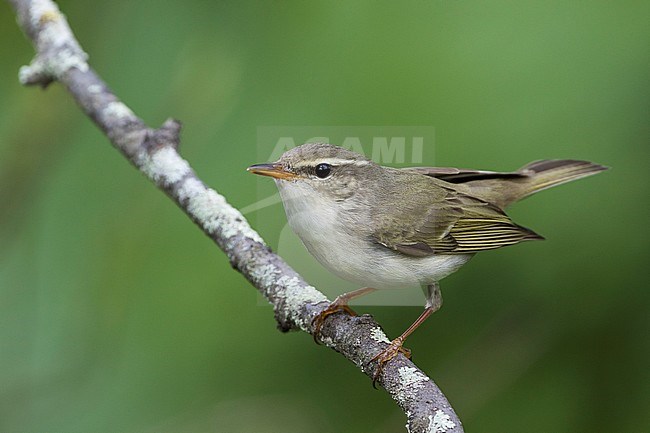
[{"x": 533, "y": 177}]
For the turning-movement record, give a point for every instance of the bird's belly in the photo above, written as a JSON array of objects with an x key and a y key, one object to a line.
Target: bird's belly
[
  {"x": 373, "y": 265},
  {"x": 390, "y": 271}
]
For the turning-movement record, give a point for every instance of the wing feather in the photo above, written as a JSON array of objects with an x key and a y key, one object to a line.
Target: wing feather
[{"x": 454, "y": 223}]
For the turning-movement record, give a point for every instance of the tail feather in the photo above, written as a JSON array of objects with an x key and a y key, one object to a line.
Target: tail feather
[
  {"x": 536, "y": 176},
  {"x": 548, "y": 173}
]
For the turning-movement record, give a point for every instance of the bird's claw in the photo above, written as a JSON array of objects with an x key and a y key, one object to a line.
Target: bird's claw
[
  {"x": 319, "y": 319},
  {"x": 391, "y": 351}
]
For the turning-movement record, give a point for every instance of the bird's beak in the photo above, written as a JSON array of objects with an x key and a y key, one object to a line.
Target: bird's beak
[{"x": 274, "y": 170}]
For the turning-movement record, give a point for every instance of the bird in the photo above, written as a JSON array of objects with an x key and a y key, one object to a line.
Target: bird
[{"x": 394, "y": 228}]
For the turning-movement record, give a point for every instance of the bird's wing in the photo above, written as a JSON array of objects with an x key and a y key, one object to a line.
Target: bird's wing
[
  {"x": 461, "y": 175},
  {"x": 452, "y": 223}
]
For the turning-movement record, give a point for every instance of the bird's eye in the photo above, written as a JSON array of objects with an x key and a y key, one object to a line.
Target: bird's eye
[{"x": 323, "y": 170}]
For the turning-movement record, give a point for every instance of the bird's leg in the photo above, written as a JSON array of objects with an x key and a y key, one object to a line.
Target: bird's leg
[
  {"x": 339, "y": 304},
  {"x": 434, "y": 302}
]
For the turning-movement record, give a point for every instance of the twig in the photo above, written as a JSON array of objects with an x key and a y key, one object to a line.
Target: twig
[{"x": 154, "y": 152}]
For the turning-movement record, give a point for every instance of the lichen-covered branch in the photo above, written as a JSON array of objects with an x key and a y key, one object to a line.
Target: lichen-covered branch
[{"x": 59, "y": 57}]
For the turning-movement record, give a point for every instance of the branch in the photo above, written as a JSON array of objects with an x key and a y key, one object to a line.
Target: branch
[{"x": 59, "y": 57}]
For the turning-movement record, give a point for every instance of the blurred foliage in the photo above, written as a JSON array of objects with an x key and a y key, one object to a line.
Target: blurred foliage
[{"x": 118, "y": 315}]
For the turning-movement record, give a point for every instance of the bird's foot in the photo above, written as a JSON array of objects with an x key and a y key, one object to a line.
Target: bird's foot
[
  {"x": 391, "y": 351},
  {"x": 339, "y": 304}
]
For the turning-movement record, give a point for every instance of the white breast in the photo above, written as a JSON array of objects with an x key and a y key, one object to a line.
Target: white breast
[{"x": 320, "y": 228}]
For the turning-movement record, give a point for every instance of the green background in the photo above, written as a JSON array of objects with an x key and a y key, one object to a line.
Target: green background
[{"x": 118, "y": 315}]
